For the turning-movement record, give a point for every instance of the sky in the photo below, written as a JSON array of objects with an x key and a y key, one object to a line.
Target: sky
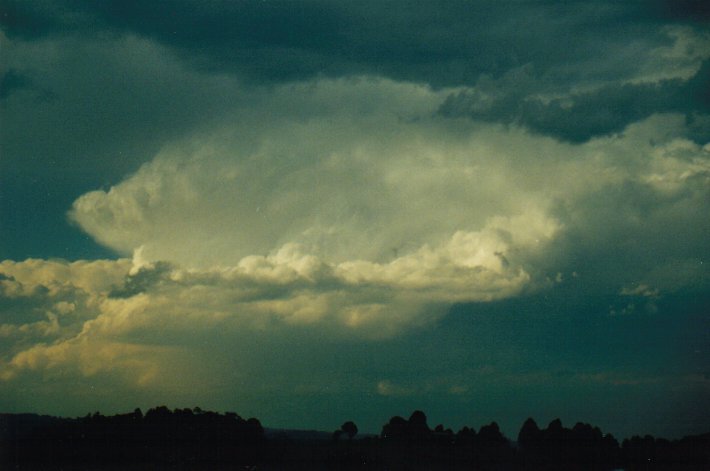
[{"x": 311, "y": 212}]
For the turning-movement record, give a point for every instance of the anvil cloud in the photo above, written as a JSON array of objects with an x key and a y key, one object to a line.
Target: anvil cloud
[{"x": 467, "y": 207}]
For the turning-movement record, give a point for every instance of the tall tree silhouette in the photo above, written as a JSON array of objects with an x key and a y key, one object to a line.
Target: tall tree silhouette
[
  {"x": 349, "y": 428},
  {"x": 529, "y": 435}
]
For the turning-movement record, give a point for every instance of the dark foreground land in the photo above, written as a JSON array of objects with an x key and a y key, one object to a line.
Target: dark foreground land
[{"x": 186, "y": 439}]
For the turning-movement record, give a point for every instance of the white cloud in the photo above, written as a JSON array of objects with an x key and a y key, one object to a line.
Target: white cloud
[
  {"x": 360, "y": 174},
  {"x": 132, "y": 318},
  {"x": 680, "y": 60},
  {"x": 47, "y": 301},
  {"x": 388, "y": 388},
  {"x": 24, "y": 278},
  {"x": 639, "y": 290},
  {"x": 353, "y": 212},
  {"x": 353, "y": 181}
]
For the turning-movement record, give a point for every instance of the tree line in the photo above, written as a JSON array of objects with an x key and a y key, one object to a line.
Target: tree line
[{"x": 198, "y": 439}]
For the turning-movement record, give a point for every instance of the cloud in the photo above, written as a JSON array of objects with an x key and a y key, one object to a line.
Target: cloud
[
  {"x": 639, "y": 228},
  {"x": 406, "y": 224},
  {"x": 640, "y": 290},
  {"x": 46, "y": 301},
  {"x": 285, "y": 323},
  {"x": 96, "y": 109},
  {"x": 682, "y": 59},
  {"x": 387, "y": 388},
  {"x": 695, "y": 11},
  {"x": 442, "y": 45},
  {"x": 336, "y": 201},
  {"x": 108, "y": 86},
  {"x": 350, "y": 169},
  {"x": 132, "y": 318},
  {"x": 11, "y": 82},
  {"x": 670, "y": 78},
  {"x": 347, "y": 209},
  {"x": 362, "y": 174},
  {"x": 99, "y": 99}
]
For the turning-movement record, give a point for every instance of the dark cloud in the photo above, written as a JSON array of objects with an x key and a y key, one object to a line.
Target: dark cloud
[
  {"x": 84, "y": 113},
  {"x": 142, "y": 280},
  {"x": 29, "y": 20},
  {"x": 686, "y": 10},
  {"x": 12, "y": 81},
  {"x": 439, "y": 43},
  {"x": 622, "y": 235},
  {"x": 581, "y": 116},
  {"x": 561, "y": 45},
  {"x": 196, "y": 122}
]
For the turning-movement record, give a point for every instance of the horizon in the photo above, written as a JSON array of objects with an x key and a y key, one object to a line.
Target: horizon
[
  {"x": 512, "y": 437},
  {"x": 312, "y": 212}
]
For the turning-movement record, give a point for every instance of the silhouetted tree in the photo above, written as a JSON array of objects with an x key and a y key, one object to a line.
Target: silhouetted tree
[
  {"x": 417, "y": 426},
  {"x": 490, "y": 434},
  {"x": 396, "y": 428},
  {"x": 160, "y": 414},
  {"x": 529, "y": 435},
  {"x": 418, "y": 419},
  {"x": 255, "y": 428},
  {"x": 349, "y": 428},
  {"x": 466, "y": 433},
  {"x": 162, "y": 439}
]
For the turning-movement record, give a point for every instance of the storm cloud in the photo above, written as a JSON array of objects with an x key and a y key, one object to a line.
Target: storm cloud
[{"x": 451, "y": 206}]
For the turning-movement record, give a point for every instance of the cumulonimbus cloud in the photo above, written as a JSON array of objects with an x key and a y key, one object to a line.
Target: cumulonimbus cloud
[
  {"x": 349, "y": 216},
  {"x": 93, "y": 317}
]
